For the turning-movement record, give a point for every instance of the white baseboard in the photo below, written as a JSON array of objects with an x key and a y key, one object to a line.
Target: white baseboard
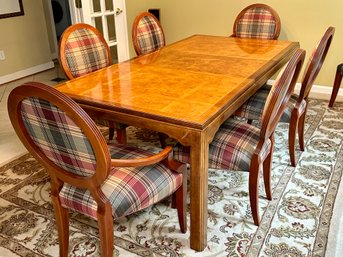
[
  {"x": 26, "y": 72},
  {"x": 319, "y": 92}
]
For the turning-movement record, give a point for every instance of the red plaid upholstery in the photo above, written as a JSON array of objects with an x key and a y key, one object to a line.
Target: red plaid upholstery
[
  {"x": 127, "y": 189},
  {"x": 150, "y": 35},
  {"x": 232, "y": 147},
  {"x": 85, "y": 52},
  {"x": 256, "y": 23},
  {"x": 58, "y": 137}
]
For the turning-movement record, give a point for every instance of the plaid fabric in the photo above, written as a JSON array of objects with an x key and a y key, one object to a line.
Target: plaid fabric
[
  {"x": 232, "y": 147},
  {"x": 58, "y": 137},
  {"x": 85, "y": 52},
  {"x": 253, "y": 108},
  {"x": 127, "y": 189},
  {"x": 286, "y": 116},
  {"x": 149, "y": 35},
  {"x": 256, "y": 23}
]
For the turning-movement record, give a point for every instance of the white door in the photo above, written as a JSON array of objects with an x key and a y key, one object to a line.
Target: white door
[{"x": 109, "y": 17}]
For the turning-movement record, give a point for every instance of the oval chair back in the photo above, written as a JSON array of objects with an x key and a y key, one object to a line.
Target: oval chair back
[
  {"x": 280, "y": 94},
  {"x": 315, "y": 63},
  {"x": 83, "y": 50},
  {"x": 60, "y": 134},
  {"x": 147, "y": 34},
  {"x": 257, "y": 21}
]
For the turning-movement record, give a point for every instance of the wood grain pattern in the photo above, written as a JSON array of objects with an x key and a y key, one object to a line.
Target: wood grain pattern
[{"x": 185, "y": 90}]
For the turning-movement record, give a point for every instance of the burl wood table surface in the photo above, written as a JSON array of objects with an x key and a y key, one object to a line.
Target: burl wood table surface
[{"x": 186, "y": 90}]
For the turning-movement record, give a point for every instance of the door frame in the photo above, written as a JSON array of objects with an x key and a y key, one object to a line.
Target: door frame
[{"x": 76, "y": 16}]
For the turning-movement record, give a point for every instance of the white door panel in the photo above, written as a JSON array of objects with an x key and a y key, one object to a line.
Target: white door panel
[{"x": 109, "y": 17}]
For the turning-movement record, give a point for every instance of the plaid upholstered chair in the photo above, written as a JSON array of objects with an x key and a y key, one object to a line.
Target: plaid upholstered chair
[
  {"x": 257, "y": 21},
  {"x": 240, "y": 146},
  {"x": 147, "y": 34},
  {"x": 295, "y": 112},
  {"x": 82, "y": 50},
  {"x": 87, "y": 176}
]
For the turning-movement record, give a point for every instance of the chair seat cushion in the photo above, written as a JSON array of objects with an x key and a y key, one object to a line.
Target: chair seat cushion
[
  {"x": 232, "y": 147},
  {"x": 253, "y": 108},
  {"x": 127, "y": 189}
]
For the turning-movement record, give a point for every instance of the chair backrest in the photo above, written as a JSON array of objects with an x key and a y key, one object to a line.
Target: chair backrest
[
  {"x": 315, "y": 63},
  {"x": 257, "y": 21},
  {"x": 280, "y": 94},
  {"x": 59, "y": 133},
  {"x": 83, "y": 49},
  {"x": 147, "y": 34}
]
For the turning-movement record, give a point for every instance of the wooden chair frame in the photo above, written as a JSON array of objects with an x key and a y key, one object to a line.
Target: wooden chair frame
[
  {"x": 121, "y": 132},
  {"x": 104, "y": 165},
  {"x": 259, "y": 5},
  {"x": 271, "y": 117},
  {"x": 298, "y": 115},
  {"x": 134, "y": 30}
]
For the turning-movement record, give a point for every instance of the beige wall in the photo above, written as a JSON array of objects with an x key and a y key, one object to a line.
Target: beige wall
[
  {"x": 302, "y": 20},
  {"x": 24, "y": 39},
  {"x": 25, "y": 42}
]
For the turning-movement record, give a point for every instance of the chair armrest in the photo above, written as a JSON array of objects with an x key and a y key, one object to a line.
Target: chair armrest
[{"x": 142, "y": 161}]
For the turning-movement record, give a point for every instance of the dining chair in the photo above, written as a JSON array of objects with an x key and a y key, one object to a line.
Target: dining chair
[
  {"x": 101, "y": 181},
  {"x": 147, "y": 34},
  {"x": 295, "y": 113},
  {"x": 240, "y": 146},
  {"x": 257, "y": 21},
  {"x": 82, "y": 50}
]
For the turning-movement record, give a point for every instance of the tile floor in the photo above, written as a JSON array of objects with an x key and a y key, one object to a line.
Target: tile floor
[{"x": 10, "y": 145}]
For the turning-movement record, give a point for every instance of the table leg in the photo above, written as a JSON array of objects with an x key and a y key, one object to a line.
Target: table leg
[{"x": 198, "y": 193}]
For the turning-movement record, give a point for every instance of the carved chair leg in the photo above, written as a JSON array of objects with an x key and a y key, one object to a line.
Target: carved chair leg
[
  {"x": 121, "y": 136},
  {"x": 336, "y": 85},
  {"x": 253, "y": 188},
  {"x": 62, "y": 220},
  {"x": 105, "y": 223},
  {"x": 181, "y": 202},
  {"x": 292, "y": 134},
  {"x": 267, "y": 167}
]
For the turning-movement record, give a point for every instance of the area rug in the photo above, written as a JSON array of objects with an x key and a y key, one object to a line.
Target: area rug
[{"x": 295, "y": 223}]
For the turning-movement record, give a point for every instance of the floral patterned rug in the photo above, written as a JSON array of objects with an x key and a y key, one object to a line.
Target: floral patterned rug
[{"x": 295, "y": 223}]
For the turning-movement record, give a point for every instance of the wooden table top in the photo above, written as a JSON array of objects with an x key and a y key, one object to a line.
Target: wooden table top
[{"x": 184, "y": 83}]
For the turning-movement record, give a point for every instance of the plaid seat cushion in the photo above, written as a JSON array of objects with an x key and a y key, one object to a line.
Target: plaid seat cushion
[
  {"x": 232, "y": 147},
  {"x": 58, "y": 137},
  {"x": 253, "y": 108},
  {"x": 127, "y": 189},
  {"x": 286, "y": 116},
  {"x": 85, "y": 52},
  {"x": 256, "y": 23},
  {"x": 149, "y": 35}
]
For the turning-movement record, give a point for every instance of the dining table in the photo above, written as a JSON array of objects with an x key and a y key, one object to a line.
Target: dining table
[{"x": 185, "y": 90}]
